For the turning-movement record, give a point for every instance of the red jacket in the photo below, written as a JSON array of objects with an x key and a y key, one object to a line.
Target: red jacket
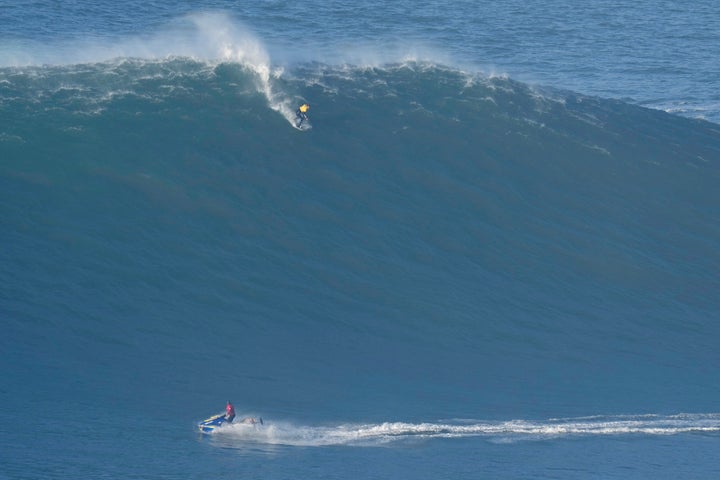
[{"x": 230, "y": 410}]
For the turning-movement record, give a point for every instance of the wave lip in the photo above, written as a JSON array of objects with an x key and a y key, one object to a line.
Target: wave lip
[{"x": 206, "y": 38}]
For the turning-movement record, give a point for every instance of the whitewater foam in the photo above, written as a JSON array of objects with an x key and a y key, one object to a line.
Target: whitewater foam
[
  {"x": 213, "y": 38},
  {"x": 207, "y": 38},
  {"x": 204, "y": 36},
  {"x": 286, "y": 433}
]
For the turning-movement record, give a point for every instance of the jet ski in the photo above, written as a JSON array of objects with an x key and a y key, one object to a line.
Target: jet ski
[{"x": 210, "y": 425}]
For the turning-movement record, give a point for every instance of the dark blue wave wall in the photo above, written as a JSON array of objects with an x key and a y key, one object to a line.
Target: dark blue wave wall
[{"x": 438, "y": 244}]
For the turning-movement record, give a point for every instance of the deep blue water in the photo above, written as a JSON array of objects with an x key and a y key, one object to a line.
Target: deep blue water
[{"x": 487, "y": 259}]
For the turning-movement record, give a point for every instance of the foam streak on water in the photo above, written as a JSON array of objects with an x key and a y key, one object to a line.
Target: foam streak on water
[{"x": 287, "y": 433}]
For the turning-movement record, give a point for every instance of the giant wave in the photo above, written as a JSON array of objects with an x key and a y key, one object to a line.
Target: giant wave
[{"x": 430, "y": 209}]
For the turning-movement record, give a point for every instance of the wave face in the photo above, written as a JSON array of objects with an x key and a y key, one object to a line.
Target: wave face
[
  {"x": 439, "y": 245},
  {"x": 426, "y": 206}
]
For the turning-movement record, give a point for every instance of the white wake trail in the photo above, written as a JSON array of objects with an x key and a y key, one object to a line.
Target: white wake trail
[{"x": 284, "y": 433}]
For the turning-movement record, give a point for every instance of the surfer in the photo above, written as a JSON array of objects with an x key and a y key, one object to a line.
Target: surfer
[
  {"x": 301, "y": 114},
  {"x": 229, "y": 412}
]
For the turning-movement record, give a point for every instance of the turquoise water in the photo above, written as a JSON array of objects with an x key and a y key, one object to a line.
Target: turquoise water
[{"x": 476, "y": 264}]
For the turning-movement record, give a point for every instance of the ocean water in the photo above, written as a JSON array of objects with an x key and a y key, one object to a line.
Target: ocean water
[{"x": 495, "y": 254}]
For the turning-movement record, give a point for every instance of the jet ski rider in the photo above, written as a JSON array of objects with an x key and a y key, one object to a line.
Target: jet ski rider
[{"x": 229, "y": 412}]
